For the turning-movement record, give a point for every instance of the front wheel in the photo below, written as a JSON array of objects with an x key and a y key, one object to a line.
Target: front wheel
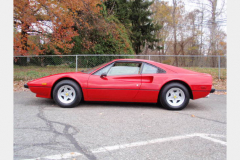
[
  {"x": 67, "y": 93},
  {"x": 174, "y": 96}
]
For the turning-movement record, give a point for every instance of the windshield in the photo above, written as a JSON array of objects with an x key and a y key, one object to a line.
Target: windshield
[{"x": 89, "y": 70}]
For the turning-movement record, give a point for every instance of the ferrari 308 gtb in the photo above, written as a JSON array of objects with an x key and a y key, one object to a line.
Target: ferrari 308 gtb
[{"x": 125, "y": 80}]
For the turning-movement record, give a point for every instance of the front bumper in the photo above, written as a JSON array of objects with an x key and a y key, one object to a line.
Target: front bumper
[{"x": 26, "y": 86}]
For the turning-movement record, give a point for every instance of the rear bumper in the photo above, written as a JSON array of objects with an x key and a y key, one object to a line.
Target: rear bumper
[
  {"x": 201, "y": 94},
  {"x": 212, "y": 90},
  {"x": 26, "y": 86}
]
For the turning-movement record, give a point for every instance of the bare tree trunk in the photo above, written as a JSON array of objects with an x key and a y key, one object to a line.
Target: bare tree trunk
[
  {"x": 213, "y": 28},
  {"x": 182, "y": 60},
  {"x": 210, "y": 8},
  {"x": 145, "y": 50},
  {"x": 24, "y": 37},
  {"x": 24, "y": 44},
  {"x": 201, "y": 37},
  {"x": 174, "y": 31}
]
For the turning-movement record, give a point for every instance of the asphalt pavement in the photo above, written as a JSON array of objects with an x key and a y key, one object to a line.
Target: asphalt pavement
[{"x": 118, "y": 131}]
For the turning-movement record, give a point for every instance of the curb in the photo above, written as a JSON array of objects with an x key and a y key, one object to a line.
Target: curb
[{"x": 220, "y": 90}]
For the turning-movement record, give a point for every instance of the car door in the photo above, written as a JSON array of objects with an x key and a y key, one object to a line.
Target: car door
[
  {"x": 152, "y": 78},
  {"x": 121, "y": 83}
]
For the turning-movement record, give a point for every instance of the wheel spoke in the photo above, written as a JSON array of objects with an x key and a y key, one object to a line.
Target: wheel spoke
[
  {"x": 174, "y": 101},
  {"x": 71, "y": 93},
  {"x": 170, "y": 98}
]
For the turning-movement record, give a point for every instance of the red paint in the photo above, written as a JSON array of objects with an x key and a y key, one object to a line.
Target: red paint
[
  {"x": 44, "y": 92},
  {"x": 113, "y": 88},
  {"x": 127, "y": 88}
]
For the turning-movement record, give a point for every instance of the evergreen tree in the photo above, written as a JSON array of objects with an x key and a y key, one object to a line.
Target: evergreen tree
[
  {"x": 135, "y": 16},
  {"x": 121, "y": 10},
  {"x": 142, "y": 25}
]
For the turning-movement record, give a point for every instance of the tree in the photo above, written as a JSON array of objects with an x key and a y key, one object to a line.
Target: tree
[
  {"x": 213, "y": 17},
  {"x": 142, "y": 27},
  {"x": 100, "y": 33},
  {"x": 121, "y": 9},
  {"x": 49, "y": 20},
  {"x": 55, "y": 22},
  {"x": 174, "y": 25},
  {"x": 23, "y": 19},
  {"x": 215, "y": 12},
  {"x": 162, "y": 16},
  {"x": 136, "y": 17}
]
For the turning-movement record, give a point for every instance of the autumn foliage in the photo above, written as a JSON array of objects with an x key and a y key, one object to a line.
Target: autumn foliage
[
  {"x": 116, "y": 27},
  {"x": 54, "y": 22}
]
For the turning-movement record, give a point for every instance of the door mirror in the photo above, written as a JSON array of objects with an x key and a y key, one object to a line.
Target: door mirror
[{"x": 103, "y": 75}]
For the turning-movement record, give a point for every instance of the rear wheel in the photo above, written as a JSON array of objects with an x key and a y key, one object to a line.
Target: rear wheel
[
  {"x": 67, "y": 93},
  {"x": 174, "y": 96}
]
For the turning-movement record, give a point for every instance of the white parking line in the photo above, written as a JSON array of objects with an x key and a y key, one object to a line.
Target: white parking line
[
  {"x": 135, "y": 144},
  {"x": 141, "y": 143},
  {"x": 59, "y": 156},
  {"x": 214, "y": 135},
  {"x": 213, "y": 139}
]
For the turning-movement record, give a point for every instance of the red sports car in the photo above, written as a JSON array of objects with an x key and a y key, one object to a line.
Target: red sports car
[{"x": 125, "y": 80}]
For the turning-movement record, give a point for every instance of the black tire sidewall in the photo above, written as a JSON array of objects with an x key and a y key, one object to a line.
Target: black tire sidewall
[
  {"x": 77, "y": 89},
  {"x": 165, "y": 89}
]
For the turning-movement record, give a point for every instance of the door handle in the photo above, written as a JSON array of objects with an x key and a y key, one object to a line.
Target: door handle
[{"x": 103, "y": 75}]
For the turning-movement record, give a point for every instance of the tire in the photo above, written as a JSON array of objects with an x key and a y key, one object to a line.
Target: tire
[
  {"x": 174, "y": 96},
  {"x": 67, "y": 94}
]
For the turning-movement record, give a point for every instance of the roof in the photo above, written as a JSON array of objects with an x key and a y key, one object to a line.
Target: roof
[
  {"x": 142, "y": 60},
  {"x": 161, "y": 65}
]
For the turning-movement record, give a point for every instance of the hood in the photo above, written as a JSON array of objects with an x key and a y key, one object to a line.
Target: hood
[
  {"x": 53, "y": 76},
  {"x": 48, "y": 81}
]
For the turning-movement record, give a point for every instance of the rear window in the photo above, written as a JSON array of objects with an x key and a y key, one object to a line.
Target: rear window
[{"x": 150, "y": 69}]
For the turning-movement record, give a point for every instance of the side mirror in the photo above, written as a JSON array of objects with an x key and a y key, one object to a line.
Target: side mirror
[{"x": 103, "y": 75}]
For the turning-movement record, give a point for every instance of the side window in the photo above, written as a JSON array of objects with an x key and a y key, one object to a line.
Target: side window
[
  {"x": 124, "y": 68},
  {"x": 149, "y": 69},
  {"x": 103, "y": 70}
]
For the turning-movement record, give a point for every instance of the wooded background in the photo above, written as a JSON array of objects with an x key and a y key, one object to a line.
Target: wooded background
[{"x": 135, "y": 27}]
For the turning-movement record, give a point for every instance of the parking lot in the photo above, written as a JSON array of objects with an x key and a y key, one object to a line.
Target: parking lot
[{"x": 117, "y": 131}]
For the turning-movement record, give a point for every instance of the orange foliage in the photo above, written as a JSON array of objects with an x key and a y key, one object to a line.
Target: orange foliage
[{"x": 30, "y": 17}]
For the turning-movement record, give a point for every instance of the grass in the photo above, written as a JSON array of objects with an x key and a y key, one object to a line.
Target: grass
[
  {"x": 212, "y": 71},
  {"x": 33, "y": 72},
  {"x": 26, "y": 73}
]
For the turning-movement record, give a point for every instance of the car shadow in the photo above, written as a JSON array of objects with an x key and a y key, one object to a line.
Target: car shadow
[
  {"x": 93, "y": 104},
  {"x": 120, "y": 104}
]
